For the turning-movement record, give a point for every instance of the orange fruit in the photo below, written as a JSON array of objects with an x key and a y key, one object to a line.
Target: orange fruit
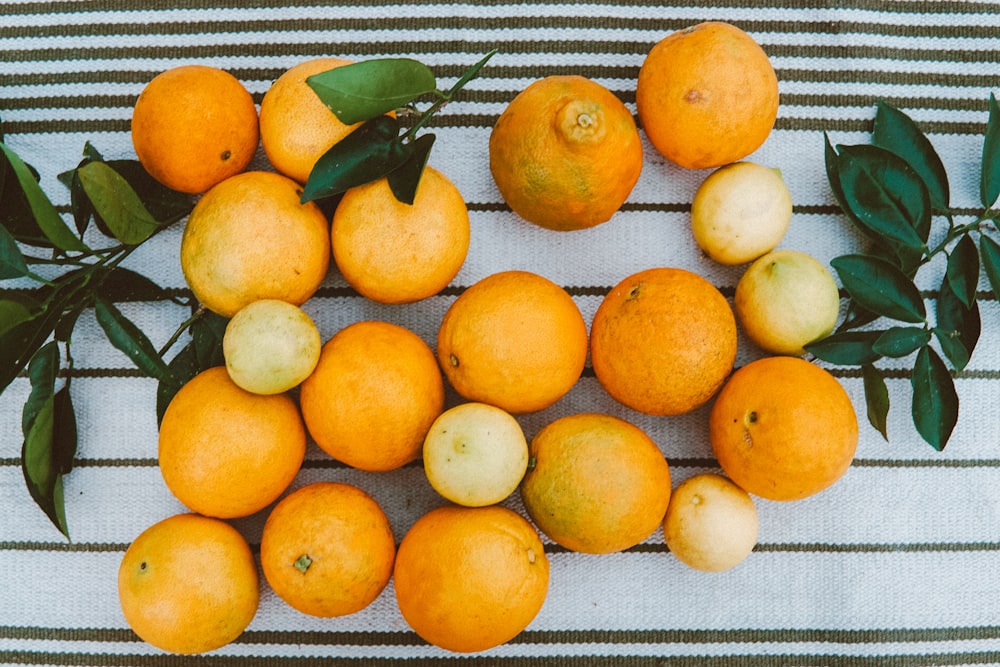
[
  {"x": 327, "y": 549},
  {"x": 393, "y": 252},
  {"x": 565, "y": 153},
  {"x": 227, "y": 452},
  {"x": 515, "y": 340},
  {"x": 783, "y": 428},
  {"x": 663, "y": 341},
  {"x": 188, "y": 584},
  {"x": 296, "y": 128},
  {"x": 194, "y": 126},
  {"x": 598, "y": 484},
  {"x": 373, "y": 395},
  {"x": 470, "y": 578},
  {"x": 707, "y": 95},
  {"x": 250, "y": 238}
]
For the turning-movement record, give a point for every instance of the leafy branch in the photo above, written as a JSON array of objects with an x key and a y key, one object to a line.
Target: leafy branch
[{"x": 896, "y": 192}]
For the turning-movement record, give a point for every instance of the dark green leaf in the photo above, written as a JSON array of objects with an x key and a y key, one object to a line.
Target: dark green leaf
[
  {"x": 13, "y": 312},
  {"x": 855, "y": 316},
  {"x": 989, "y": 253},
  {"x": 207, "y": 333},
  {"x": 12, "y": 263},
  {"x": 404, "y": 180},
  {"x": 128, "y": 338},
  {"x": 120, "y": 284},
  {"x": 957, "y": 326},
  {"x": 183, "y": 367},
  {"x": 15, "y": 211},
  {"x": 363, "y": 90},
  {"x": 117, "y": 203},
  {"x": 833, "y": 164},
  {"x": 876, "y": 398},
  {"x": 880, "y": 287},
  {"x": 20, "y": 342},
  {"x": 901, "y": 341},
  {"x": 989, "y": 182},
  {"x": 365, "y": 155},
  {"x": 885, "y": 195},
  {"x": 896, "y": 132},
  {"x": 963, "y": 270},
  {"x": 165, "y": 205},
  {"x": 471, "y": 73},
  {"x": 45, "y": 214},
  {"x": 847, "y": 348},
  {"x": 935, "y": 401}
]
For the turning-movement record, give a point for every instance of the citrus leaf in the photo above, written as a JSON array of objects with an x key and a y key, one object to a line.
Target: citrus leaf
[
  {"x": 833, "y": 165},
  {"x": 989, "y": 253},
  {"x": 876, "y": 398},
  {"x": 363, "y": 90},
  {"x": 896, "y": 132},
  {"x": 989, "y": 182},
  {"x": 13, "y": 312},
  {"x": 471, "y": 73},
  {"x": 935, "y": 401},
  {"x": 128, "y": 338},
  {"x": 880, "y": 287},
  {"x": 962, "y": 271},
  {"x": 183, "y": 367},
  {"x": 20, "y": 342},
  {"x": 207, "y": 333},
  {"x": 886, "y": 195},
  {"x": 116, "y": 203},
  {"x": 12, "y": 263},
  {"x": 900, "y": 341},
  {"x": 404, "y": 180},
  {"x": 846, "y": 348},
  {"x": 957, "y": 326},
  {"x": 119, "y": 284},
  {"x": 44, "y": 212}
]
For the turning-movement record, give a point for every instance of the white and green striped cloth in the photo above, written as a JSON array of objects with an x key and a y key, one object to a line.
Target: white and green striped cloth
[{"x": 899, "y": 563}]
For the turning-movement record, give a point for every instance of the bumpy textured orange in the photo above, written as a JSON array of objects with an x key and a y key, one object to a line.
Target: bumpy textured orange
[
  {"x": 783, "y": 428},
  {"x": 565, "y": 153},
  {"x": 707, "y": 95},
  {"x": 327, "y": 549},
  {"x": 470, "y": 578},
  {"x": 194, "y": 126},
  {"x": 599, "y": 484},
  {"x": 188, "y": 584},
  {"x": 373, "y": 395},
  {"x": 663, "y": 341}
]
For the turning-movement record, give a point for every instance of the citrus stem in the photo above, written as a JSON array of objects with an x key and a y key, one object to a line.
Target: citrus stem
[{"x": 198, "y": 314}]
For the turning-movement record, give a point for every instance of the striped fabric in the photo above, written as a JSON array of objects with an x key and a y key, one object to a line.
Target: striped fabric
[{"x": 899, "y": 563}]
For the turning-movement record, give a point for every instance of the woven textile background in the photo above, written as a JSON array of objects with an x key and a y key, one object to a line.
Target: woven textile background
[{"x": 899, "y": 563}]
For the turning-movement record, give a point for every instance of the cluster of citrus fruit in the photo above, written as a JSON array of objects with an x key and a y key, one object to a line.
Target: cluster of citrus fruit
[{"x": 472, "y": 574}]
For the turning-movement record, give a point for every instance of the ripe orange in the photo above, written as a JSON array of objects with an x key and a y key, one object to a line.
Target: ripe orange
[
  {"x": 515, "y": 340},
  {"x": 783, "y": 428},
  {"x": 707, "y": 95},
  {"x": 249, "y": 238},
  {"x": 663, "y": 341},
  {"x": 296, "y": 128},
  {"x": 373, "y": 395},
  {"x": 393, "y": 252},
  {"x": 565, "y": 153},
  {"x": 598, "y": 484},
  {"x": 470, "y": 578},
  {"x": 188, "y": 584},
  {"x": 327, "y": 549},
  {"x": 226, "y": 452},
  {"x": 194, "y": 126}
]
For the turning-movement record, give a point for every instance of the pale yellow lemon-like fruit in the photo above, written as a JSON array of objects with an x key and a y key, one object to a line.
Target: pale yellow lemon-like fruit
[
  {"x": 740, "y": 212},
  {"x": 475, "y": 454},
  {"x": 270, "y": 346},
  {"x": 786, "y": 300},
  {"x": 711, "y": 524}
]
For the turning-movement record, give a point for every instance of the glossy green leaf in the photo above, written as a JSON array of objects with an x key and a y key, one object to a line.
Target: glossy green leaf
[
  {"x": 164, "y": 205},
  {"x": 207, "y": 334},
  {"x": 120, "y": 284},
  {"x": 880, "y": 287},
  {"x": 846, "y": 348},
  {"x": 900, "y": 341},
  {"x": 989, "y": 181},
  {"x": 44, "y": 212},
  {"x": 15, "y": 211},
  {"x": 12, "y": 263},
  {"x": 876, "y": 398},
  {"x": 404, "y": 180},
  {"x": 20, "y": 342},
  {"x": 127, "y": 337},
  {"x": 13, "y": 312},
  {"x": 962, "y": 271},
  {"x": 896, "y": 132},
  {"x": 989, "y": 253},
  {"x": 885, "y": 194},
  {"x": 363, "y": 90},
  {"x": 832, "y": 162},
  {"x": 957, "y": 326},
  {"x": 471, "y": 73},
  {"x": 183, "y": 367},
  {"x": 935, "y": 401},
  {"x": 365, "y": 155},
  {"x": 116, "y": 203}
]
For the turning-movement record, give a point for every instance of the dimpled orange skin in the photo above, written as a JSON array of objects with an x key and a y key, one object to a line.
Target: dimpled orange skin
[
  {"x": 470, "y": 578},
  {"x": 663, "y": 341},
  {"x": 783, "y": 428},
  {"x": 194, "y": 126},
  {"x": 707, "y": 95},
  {"x": 565, "y": 153}
]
